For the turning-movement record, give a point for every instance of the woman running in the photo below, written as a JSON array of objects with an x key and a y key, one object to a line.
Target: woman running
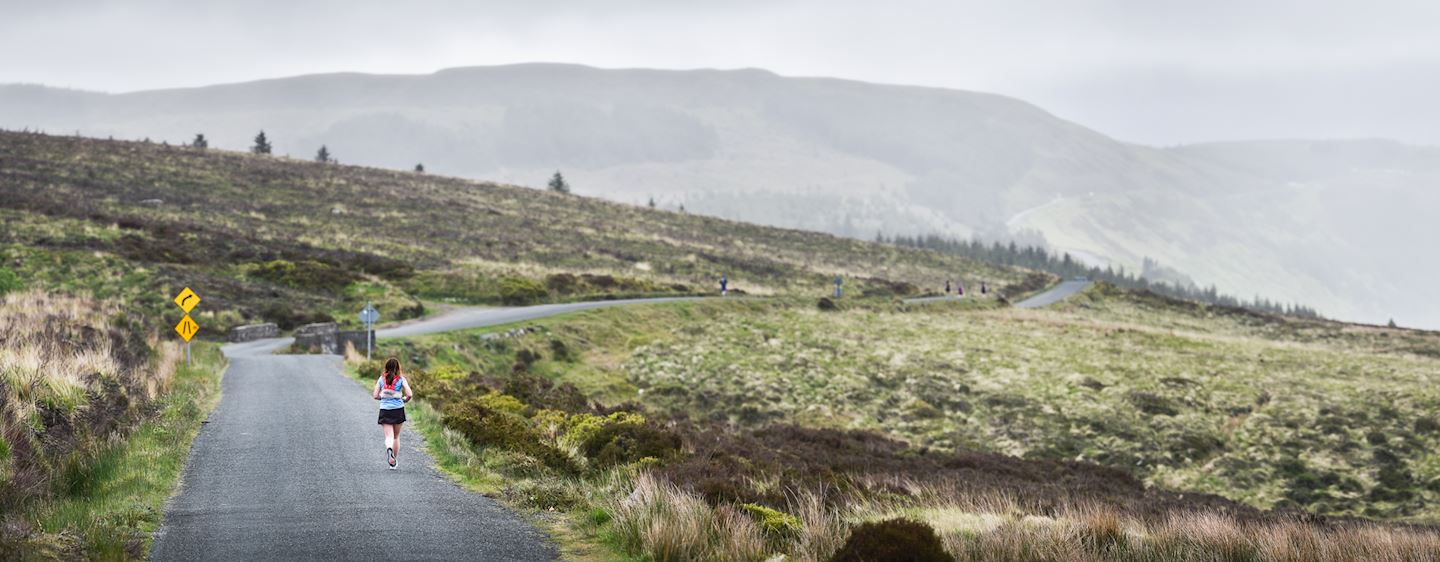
[{"x": 393, "y": 391}]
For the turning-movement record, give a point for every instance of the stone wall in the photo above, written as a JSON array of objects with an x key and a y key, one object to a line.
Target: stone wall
[
  {"x": 329, "y": 339},
  {"x": 254, "y": 332},
  {"x": 321, "y": 337}
]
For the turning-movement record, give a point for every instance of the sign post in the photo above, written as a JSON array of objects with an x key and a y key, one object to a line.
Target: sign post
[
  {"x": 187, "y": 327},
  {"x": 368, "y": 316}
]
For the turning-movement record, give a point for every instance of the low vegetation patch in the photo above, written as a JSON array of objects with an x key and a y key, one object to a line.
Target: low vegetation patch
[
  {"x": 96, "y": 431},
  {"x": 1008, "y": 432}
]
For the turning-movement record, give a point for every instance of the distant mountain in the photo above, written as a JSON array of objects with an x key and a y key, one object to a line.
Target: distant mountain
[{"x": 1339, "y": 225}]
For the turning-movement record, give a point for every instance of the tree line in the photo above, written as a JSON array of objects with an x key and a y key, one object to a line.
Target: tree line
[{"x": 1064, "y": 265}]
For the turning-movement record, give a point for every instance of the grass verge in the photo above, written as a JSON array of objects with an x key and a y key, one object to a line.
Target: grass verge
[{"x": 113, "y": 515}]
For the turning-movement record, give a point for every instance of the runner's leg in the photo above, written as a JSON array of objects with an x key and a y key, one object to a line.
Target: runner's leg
[{"x": 395, "y": 438}]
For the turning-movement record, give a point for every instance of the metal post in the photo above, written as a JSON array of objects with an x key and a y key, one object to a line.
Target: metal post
[
  {"x": 187, "y": 354},
  {"x": 369, "y": 338}
]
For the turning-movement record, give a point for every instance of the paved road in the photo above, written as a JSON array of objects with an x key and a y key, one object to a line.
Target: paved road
[
  {"x": 1055, "y": 294},
  {"x": 291, "y": 466}
]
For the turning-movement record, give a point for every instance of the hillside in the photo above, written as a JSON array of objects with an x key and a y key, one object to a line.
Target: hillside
[
  {"x": 1323, "y": 223},
  {"x": 266, "y": 238}
]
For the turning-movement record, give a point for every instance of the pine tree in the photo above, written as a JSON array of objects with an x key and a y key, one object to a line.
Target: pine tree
[
  {"x": 323, "y": 155},
  {"x": 200, "y": 141},
  {"x": 557, "y": 183},
  {"x": 1392, "y": 323},
  {"x": 262, "y": 144},
  {"x": 419, "y": 168}
]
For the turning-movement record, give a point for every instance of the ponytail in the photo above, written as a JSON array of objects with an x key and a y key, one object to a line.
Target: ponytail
[{"x": 392, "y": 371}]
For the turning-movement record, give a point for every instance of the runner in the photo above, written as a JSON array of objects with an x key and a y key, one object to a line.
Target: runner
[
  {"x": 724, "y": 285},
  {"x": 947, "y": 286},
  {"x": 959, "y": 289},
  {"x": 393, "y": 391}
]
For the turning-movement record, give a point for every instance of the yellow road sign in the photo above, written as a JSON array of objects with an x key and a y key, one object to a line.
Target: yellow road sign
[
  {"x": 187, "y": 328},
  {"x": 187, "y": 300}
]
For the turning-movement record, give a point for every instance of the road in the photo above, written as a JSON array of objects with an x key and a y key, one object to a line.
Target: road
[
  {"x": 1053, "y": 295},
  {"x": 291, "y": 466}
]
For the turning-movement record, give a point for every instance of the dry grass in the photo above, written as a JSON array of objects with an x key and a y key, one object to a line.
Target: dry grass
[
  {"x": 71, "y": 378},
  {"x": 659, "y": 521}
]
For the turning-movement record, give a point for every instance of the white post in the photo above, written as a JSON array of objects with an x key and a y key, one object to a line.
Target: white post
[{"x": 187, "y": 354}]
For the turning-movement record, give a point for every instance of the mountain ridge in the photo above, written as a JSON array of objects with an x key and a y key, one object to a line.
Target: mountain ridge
[{"x": 846, "y": 157}]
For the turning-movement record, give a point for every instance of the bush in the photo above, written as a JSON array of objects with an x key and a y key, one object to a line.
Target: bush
[
  {"x": 518, "y": 291},
  {"x": 305, "y": 274},
  {"x": 9, "y": 281},
  {"x": 827, "y": 304},
  {"x": 893, "y": 540},
  {"x": 289, "y": 318},
  {"x": 622, "y": 443},
  {"x": 488, "y": 427}
]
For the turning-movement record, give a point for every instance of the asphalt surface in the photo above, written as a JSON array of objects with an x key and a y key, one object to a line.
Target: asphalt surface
[
  {"x": 291, "y": 466},
  {"x": 1053, "y": 295},
  {"x": 478, "y": 317}
]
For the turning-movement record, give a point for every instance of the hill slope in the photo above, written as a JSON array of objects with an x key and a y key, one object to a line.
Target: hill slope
[
  {"x": 269, "y": 238},
  {"x": 1284, "y": 220}
]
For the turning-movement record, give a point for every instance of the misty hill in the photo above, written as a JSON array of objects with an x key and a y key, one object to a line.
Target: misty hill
[{"x": 1323, "y": 223}]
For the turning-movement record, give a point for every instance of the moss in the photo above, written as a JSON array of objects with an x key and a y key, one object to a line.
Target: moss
[
  {"x": 775, "y": 523},
  {"x": 519, "y": 290}
]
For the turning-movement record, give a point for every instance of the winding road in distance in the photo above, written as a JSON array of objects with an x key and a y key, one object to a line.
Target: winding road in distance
[
  {"x": 291, "y": 466},
  {"x": 1050, "y": 296}
]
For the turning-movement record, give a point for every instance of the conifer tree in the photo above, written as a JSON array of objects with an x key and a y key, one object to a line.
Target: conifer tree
[
  {"x": 557, "y": 183},
  {"x": 262, "y": 144}
]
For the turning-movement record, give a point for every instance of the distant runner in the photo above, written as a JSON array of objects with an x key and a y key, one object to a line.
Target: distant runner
[
  {"x": 838, "y": 281},
  {"x": 947, "y": 286},
  {"x": 393, "y": 391},
  {"x": 959, "y": 289},
  {"x": 724, "y": 285},
  {"x": 982, "y": 287}
]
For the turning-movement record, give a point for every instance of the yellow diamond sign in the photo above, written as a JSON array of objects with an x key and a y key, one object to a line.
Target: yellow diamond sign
[
  {"x": 187, "y": 300},
  {"x": 187, "y": 328}
]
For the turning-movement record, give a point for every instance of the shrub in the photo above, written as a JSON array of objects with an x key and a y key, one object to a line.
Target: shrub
[
  {"x": 305, "y": 274},
  {"x": 289, "y": 318},
  {"x": 827, "y": 304},
  {"x": 518, "y": 291},
  {"x": 488, "y": 427},
  {"x": 892, "y": 540},
  {"x": 9, "y": 281},
  {"x": 622, "y": 443}
]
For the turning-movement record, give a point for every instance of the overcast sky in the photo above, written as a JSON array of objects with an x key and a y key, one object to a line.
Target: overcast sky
[{"x": 1152, "y": 71}]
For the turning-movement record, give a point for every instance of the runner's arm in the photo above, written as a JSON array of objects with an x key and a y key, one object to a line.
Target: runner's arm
[
  {"x": 376, "y": 393},
  {"x": 409, "y": 392}
]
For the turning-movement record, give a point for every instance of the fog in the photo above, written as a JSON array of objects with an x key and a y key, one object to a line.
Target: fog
[{"x": 1152, "y": 72}]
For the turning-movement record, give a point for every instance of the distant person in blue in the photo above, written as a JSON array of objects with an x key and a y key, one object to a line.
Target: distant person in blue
[
  {"x": 838, "y": 281},
  {"x": 393, "y": 391},
  {"x": 724, "y": 285}
]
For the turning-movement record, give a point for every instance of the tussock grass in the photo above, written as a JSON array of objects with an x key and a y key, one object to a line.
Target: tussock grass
[{"x": 96, "y": 431}]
